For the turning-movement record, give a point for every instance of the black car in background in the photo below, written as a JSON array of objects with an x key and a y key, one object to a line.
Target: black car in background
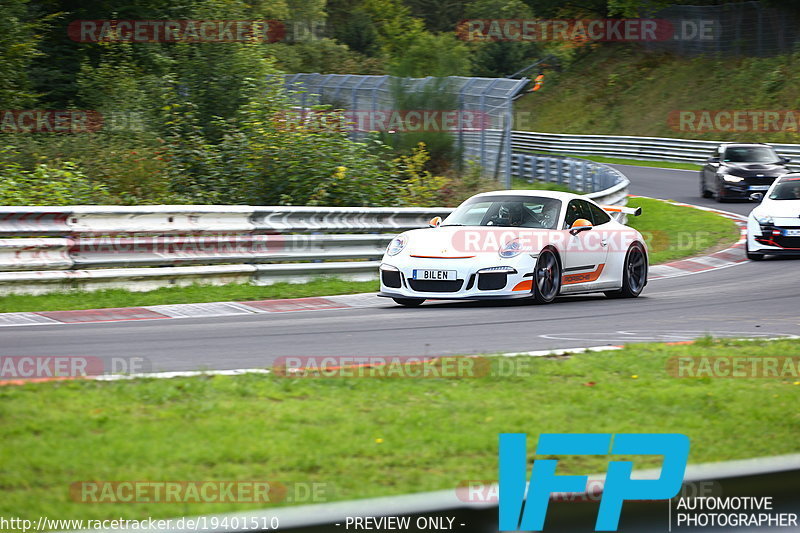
[{"x": 737, "y": 171}]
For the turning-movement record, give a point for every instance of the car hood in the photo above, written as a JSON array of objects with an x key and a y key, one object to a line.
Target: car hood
[
  {"x": 783, "y": 211},
  {"x": 747, "y": 170}
]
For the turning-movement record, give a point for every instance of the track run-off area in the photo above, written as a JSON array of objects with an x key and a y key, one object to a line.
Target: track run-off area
[{"x": 750, "y": 299}]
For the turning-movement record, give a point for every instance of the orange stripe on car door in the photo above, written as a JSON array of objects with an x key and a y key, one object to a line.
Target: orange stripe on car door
[{"x": 583, "y": 277}]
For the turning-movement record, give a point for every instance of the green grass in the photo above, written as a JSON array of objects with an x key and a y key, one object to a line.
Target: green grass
[
  {"x": 674, "y": 232},
  {"x": 175, "y": 295},
  {"x": 371, "y": 437},
  {"x": 521, "y": 184},
  {"x": 641, "y": 163},
  {"x": 633, "y": 162}
]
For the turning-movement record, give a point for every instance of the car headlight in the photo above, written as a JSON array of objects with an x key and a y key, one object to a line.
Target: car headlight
[
  {"x": 510, "y": 249},
  {"x": 731, "y": 179},
  {"x": 397, "y": 245},
  {"x": 764, "y": 219}
]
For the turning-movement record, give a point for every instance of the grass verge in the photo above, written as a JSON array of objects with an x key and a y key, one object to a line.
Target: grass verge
[
  {"x": 640, "y": 163},
  {"x": 58, "y": 301},
  {"x": 366, "y": 437},
  {"x": 521, "y": 184},
  {"x": 671, "y": 231},
  {"x": 623, "y": 161}
]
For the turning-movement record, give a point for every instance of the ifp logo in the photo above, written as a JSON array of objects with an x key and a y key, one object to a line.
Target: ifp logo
[{"x": 618, "y": 484}]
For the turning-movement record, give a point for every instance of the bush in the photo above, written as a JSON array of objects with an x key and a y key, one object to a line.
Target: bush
[
  {"x": 63, "y": 185},
  {"x": 261, "y": 160},
  {"x": 130, "y": 166},
  {"x": 417, "y": 186}
]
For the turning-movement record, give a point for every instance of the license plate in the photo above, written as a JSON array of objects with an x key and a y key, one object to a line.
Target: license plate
[
  {"x": 791, "y": 233},
  {"x": 448, "y": 275},
  {"x": 758, "y": 187}
]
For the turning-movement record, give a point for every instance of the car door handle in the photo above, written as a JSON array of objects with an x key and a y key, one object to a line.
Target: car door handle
[{"x": 604, "y": 242}]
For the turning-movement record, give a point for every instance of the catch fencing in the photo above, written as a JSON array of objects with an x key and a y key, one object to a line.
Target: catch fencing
[
  {"x": 486, "y": 141},
  {"x": 732, "y": 29}
]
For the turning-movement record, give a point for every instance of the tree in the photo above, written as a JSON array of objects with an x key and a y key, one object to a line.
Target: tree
[{"x": 18, "y": 40}]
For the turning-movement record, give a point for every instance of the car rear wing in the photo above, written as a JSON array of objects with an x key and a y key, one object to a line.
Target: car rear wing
[{"x": 635, "y": 211}]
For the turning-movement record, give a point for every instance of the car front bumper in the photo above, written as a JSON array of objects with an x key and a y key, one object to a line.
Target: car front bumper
[
  {"x": 733, "y": 191},
  {"x": 482, "y": 278},
  {"x": 769, "y": 239}
]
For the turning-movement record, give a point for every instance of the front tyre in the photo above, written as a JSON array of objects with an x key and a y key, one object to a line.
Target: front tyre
[
  {"x": 546, "y": 278},
  {"x": 719, "y": 197},
  {"x": 752, "y": 256},
  {"x": 705, "y": 193},
  {"x": 409, "y": 302},
  {"x": 634, "y": 273}
]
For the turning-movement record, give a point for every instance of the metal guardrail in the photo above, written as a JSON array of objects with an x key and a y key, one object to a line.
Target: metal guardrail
[
  {"x": 628, "y": 147},
  {"x": 776, "y": 477},
  {"x": 45, "y": 249},
  {"x": 579, "y": 175},
  {"x": 602, "y": 183}
]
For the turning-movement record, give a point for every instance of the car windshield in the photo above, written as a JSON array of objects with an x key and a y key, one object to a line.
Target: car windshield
[
  {"x": 751, "y": 154},
  {"x": 507, "y": 211},
  {"x": 786, "y": 190}
]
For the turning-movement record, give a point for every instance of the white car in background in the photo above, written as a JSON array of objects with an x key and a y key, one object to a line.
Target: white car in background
[
  {"x": 773, "y": 228},
  {"x": 517, "y": 244}
]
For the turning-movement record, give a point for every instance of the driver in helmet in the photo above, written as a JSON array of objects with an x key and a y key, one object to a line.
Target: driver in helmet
[{"x": 510, "y": 214}]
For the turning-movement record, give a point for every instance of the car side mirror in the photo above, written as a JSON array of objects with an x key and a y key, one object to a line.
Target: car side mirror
[
  {"x": 580, "y": 225},
  {"x": 435, "y": 222},
  {"x": 713, "y": 160},
  {"x": 786, "y": 160}
]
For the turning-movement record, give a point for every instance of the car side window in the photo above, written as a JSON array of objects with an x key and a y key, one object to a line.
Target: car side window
[
  {"x": 577, "y": 209},
  {"x": 598, "y": 215}
]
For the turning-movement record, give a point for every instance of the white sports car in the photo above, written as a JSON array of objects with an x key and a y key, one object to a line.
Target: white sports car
[
  {"x": 773, "y": 228},
  {"x": 517, "y": 244}
]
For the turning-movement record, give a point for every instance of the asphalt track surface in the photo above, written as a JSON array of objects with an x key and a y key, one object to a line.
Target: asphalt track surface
[{"x": 751, "y": 299}]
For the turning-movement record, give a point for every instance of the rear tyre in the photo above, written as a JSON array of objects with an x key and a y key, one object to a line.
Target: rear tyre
[
  {"x": 634, "y": 273},
  {"x": 752, "y": 256},
  {"x": 546, "y": 278},
  {"x": 409, "y": 302}
]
